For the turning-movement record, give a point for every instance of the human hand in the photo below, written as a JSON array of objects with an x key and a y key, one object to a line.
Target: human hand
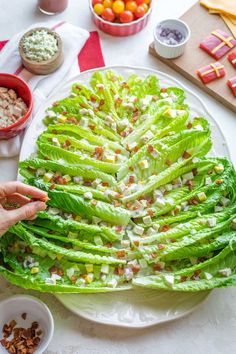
[{"x": 15, "y": 206}]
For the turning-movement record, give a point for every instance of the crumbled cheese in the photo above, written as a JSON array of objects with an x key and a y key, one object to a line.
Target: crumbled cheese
[
  {"x": 168, "y": 187},
  {"x": 50, "y": 281},
  {"x": 187, "y": 176},
  {"x": 218, "y": 208},
  {"x": 40, "y": 45},
  {"x": 40, "y": 172},
  {"x": 110, "y": 158},
  {"x": 53, "y": 211},
  {"x": 128, "y": 274},
  {"x": 199, "y": 127},
  {"x": 48, "y": 176},
  {"x": 211, "y": 222},
  {"x": 70, "y": 272},
  {"x": 89, "y": 277},
  {"x": 151, "y": 231},
  {"x": 170, "y": 113},
  {"x": 83, "y": 122},
  {"x": 143, "y": 263}
]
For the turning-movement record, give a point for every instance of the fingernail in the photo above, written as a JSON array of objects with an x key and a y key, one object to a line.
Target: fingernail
[{"x": 40, "y": 205}]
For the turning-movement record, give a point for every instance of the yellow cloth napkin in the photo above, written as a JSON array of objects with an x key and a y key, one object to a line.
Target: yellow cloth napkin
[{"x": 226, "y": 9}]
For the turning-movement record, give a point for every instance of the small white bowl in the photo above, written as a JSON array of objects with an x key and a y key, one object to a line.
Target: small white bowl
[
  {"x": 12, "y": 309},
  {"x": 169, "y": 51}
]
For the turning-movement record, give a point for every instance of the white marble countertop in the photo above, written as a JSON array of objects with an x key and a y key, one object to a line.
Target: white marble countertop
[{"x": 211, "y": 328}]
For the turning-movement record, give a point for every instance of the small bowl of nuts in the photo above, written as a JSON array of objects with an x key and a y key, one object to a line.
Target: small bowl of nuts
[
  {"x": 41, "y": 51},
  {"x": 26, "y": 325},
  {"x": 16, "y": 103}
]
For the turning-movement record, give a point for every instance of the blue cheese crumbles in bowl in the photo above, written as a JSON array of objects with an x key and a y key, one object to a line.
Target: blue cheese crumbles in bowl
[{"x": 41, "y": 50}]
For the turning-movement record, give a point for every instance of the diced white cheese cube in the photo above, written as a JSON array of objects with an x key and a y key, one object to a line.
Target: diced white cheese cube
[
  {"x": 224, "y": 201},
  {"x": 143, "y": 263},
  {"x": 138, "y": 230},
  {"x": 112, "y": 283},
  {"x": 208, "y": 276},
  {"x": 88, "y": 195},
  {"x": 169, "y": 279},
  {"x": 53, "y": 211},
  {"x": 105, "y": 268},
  {"x": 202, "y": 196},
  {"x": 50, "y": 281},
  {"x": 211, "y": 222},
  {"x": 218, "y": 208},
  {"x": 208, "y": 181},
  {"x": 199, "y": 127},
  {"x": 56, "y": 141},
  {"x": 226, "y": 272},
  {"x": 219, "y": 168},
  {"x": 151, "y": 231},
  {"x": 89, "y": 268},
  {"x": 125, "y": 243},
  {"x": 170, "y": 113},
  {"x": 70, "y": 272},
  {"x": 83, "y": 122},
  {"x": 144, "y": 164},
  {"x": 147, "y": 220},
  {"x": 168, "y": 187}
]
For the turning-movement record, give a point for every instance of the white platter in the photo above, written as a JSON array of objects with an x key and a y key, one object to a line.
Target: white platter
[{"x": 137, "y": 308}]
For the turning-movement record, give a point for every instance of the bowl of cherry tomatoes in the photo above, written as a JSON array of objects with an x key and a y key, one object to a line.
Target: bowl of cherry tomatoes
[{"x": 121, "y": 17}]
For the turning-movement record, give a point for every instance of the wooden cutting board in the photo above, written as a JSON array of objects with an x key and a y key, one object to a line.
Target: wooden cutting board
[{"x": 201, "y": 23}]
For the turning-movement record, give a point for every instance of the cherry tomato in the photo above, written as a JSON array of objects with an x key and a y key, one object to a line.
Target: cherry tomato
[
  {"x": 139, "y": 12},
  {"x": 145, "y": 6},
  {"x": 98, "y": 9},
  {"x": 108, "y": 15},
  {"x": 97, "y": 2},
  {"x": 126, "y": 16},
  {"x": 118, "y": 6},
  {"x": 131, "y": 6},
  {"x": 107, "y": 3},
  {"x": 139, "y": 2}
]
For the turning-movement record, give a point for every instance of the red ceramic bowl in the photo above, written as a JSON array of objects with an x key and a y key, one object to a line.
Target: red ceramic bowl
[
  {"x": 120, "y": 29},
  {"x": 23, "y": 91}
]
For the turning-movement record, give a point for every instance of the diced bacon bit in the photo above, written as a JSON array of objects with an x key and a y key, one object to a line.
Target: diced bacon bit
[
  {"x": 150, "y": 148},
  {"x": 53, "y": 270},
  {"x": 186, "y": 155},
  {"x": 93, "y": 98},
  {"x": 61, "y": 180},
  {"x": 130, "y": 130},
  {"x": 172, "y": 240},
  {"x": 64, "y": 113},
  {"x": 131, "y": 168},
  {"x": 28, "y": 249},
  {"x": 183, "y": 278},
  {"x": 123, "y": 134},
  {"x": 193, "y": 201},
  {"x": 198, "y": 271},
  {"x": 113, "y": 78},
  {"x": 74, "y": 278},
  {"x": 52, "y": 186},
  {"x": 129, "y": 205},
  {"x": 168, "y": 163},
  {"x": 120, "y": 254},
  {"x": 119, "y": 196},
  {"x": 119, "y": 228},
  {"x": 87, "y": 183},
  {"x": 136, "y": 268},
  {"x": 101, "y": 103},
  {"x": 117, "y": 204},
  {"x": 119, "y": 271},
  {"x": 95, "y": 109},
  {"x": 163, "y": 89},
  {"x": 131, "y": 179},
  {"x": 150, "y": 212},
  {"x": 127, "y": 147},
  {"x": 136, "y": 148},
  {"x": 78, "y": 88},
  {"x": 125, "y": 85},
  {"x": 60, "y": 272},
  {"x": 67, "y": 143},
  {"x": 54, "y": 131},
  {"x": 94, "y": 202},
  {"x": 83, "y": 105},
  {"x": 164, "y": 228},
  {"x": 169, "y": 269},
  {"x": 194, "y": 171},
  {"x": 134, "y": 118},
  {"x": 209, "y": 172},
  {"x": 56, "y": 104},
  {"x": 219, "y": 181},
  {"x": 72, "y": 120},
  {"x": 136, "y": 243},
  {"x": 46, "y": 158},
  {"x": 189, "y": 184},
  {"x": 154, "y": 255},
  {"x": 99, "y": 150},
  {"x": 118, "y": 151},
  {"x": 105, "y": 184},
  {"x": 157, "y": 267},
  {"x": 92, "y": 126},
  {"x": 189, "y": 125},
  {"x": 118, "y": 100}
]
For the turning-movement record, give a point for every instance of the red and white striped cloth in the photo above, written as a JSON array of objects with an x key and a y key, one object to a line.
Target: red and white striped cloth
[{"x": 82, "y": 52}]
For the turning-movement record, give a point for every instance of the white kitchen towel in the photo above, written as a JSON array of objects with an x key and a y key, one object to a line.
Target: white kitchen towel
[{"x": 73, "y": 39}]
